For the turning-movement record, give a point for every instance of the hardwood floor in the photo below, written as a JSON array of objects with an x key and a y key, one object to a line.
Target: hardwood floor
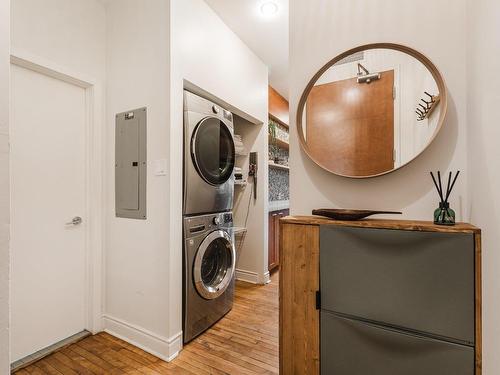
[{"x": 245, "y": 341}]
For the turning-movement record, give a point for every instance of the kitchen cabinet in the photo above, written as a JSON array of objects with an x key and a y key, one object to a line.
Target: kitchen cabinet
[
  {"x": 278, "y": 107},
  {"x": 380, "y": 297},
  {"x": 274, "y": 237}
]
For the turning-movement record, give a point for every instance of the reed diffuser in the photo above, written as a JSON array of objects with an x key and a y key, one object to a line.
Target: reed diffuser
[{"x": 444, "y": 215}]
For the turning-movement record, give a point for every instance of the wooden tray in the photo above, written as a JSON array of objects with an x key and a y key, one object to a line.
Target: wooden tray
[{"x": 350, "y": 215}]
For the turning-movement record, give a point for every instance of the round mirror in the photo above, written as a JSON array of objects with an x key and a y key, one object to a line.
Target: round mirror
[{"x": 371, "y": 110}]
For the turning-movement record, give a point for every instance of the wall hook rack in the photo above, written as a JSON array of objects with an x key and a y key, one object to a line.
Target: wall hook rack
[{"x": 425, "y": 110}]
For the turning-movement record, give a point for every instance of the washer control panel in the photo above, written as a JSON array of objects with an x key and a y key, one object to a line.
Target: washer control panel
[
  {"x": 227, "y": 115},
  {"x": 195, "y": 225}
]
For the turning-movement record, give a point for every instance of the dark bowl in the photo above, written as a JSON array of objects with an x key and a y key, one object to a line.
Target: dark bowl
[{"x": 350, "y": 215}]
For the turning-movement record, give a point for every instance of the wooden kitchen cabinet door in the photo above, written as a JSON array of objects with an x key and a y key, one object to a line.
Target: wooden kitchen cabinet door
[
  {"x": 272, "y": 251},
  {"x": 274, "y": 237}
]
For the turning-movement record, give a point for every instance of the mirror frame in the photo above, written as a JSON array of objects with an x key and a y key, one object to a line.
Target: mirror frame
[{"x": 397, "y": 47}]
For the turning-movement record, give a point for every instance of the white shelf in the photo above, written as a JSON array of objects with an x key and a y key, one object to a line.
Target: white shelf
[
  {"x": 278, "y": 166},
  {"x": 239, "y": 230},
  {"x": 278, "y": 142}
]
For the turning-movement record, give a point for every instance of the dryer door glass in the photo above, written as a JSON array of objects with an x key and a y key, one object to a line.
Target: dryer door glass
[
  {"x": 212, "y": 150},
  {"x": 214, "y": 265}
]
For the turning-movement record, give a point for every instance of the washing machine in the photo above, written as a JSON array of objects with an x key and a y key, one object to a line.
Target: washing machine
[
  {"x": 209, "y": 156},
  {"x": 209, "y": 267}
]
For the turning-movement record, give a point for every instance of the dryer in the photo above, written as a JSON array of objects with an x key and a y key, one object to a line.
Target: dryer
[
  {"x": 209, "y": 267},
  {"x": 209, "y": 156}
]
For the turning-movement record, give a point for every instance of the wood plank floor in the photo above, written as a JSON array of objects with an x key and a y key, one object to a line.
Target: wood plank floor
[{"x": 245, "y": 341}]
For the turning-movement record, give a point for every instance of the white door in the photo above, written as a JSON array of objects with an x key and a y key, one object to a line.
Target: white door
[{"x": 48, "y": 191}]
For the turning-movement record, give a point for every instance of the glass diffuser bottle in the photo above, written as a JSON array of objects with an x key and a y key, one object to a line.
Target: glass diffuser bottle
[{"x": 444, "y": 215}]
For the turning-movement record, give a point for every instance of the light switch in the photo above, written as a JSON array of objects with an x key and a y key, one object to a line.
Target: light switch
[{"x": 160, "y": 167}]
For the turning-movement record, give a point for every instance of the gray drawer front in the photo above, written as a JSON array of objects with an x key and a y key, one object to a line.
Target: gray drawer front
[
  {"x": 422, "y": 281},
  {"x": 350, "y": 347}
]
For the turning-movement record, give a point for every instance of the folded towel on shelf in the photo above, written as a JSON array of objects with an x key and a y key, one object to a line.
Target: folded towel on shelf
[
  {"x": 238, "y": 173},
  {"x": 239, "y": 147}
]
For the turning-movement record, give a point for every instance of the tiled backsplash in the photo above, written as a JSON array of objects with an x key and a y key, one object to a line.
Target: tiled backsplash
[
  {"x": 278, "y": 178},
  {"x": 278, "y": 184}
]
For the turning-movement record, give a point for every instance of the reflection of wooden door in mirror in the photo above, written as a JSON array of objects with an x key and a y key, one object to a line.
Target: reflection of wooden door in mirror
[{"x": 350, "y": 126}]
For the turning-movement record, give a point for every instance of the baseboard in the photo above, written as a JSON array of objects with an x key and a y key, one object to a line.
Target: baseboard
[
  {"x": 159, "y": 346},
  {"x": 39, "y": 355},
  {"x": 252, "y": 277},
  {"x": 267, "y": 277},
  {"x": 247, "y": 276}
]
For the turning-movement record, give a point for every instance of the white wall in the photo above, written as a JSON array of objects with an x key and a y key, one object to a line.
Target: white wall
[
  {"x": 319, "y": 33},
  {"x": 468, "y": 58},
  {"x": 148, "y": 61},
  {"x": 4, "y": 185},
  {"x": 138, "y": 256},
  {"x": 483, "y": 60},
  {"x": 70, "y": 34},
  {"x": 127, "y": 46},
  {"x": 208, "y": 54}
]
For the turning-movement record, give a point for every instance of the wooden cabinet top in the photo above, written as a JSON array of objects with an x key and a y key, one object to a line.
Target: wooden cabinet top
[
  {"x": 278, "y": 107},
  {"x": 412, "y": 225}
]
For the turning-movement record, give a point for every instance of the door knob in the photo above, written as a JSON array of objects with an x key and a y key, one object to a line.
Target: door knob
[{"x": 77, "y": 220}]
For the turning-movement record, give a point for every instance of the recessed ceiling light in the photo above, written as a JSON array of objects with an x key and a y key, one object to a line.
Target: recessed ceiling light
[{"x": 269, "y": 8}]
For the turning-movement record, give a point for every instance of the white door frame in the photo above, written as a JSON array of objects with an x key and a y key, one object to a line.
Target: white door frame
[{"x": 94, "y": 167}]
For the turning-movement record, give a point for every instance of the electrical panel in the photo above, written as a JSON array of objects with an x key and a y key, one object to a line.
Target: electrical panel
[{"x": 131, "y": 164}]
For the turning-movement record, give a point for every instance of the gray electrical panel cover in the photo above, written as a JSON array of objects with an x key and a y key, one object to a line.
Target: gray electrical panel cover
[{"x": 131, "y": 164}]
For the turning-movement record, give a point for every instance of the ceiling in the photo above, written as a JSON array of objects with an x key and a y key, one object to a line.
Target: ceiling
[{"x": 266, "y": 37}]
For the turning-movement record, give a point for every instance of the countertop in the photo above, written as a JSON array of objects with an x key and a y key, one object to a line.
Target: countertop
[
  {"x": 278, "y": 205},
  {"x": 413, "y": 225}
]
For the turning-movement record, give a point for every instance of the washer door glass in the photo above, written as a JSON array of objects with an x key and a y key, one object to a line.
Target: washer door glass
[
  {"x": 212, "y": 149},
  {"x": 214, "y": 265}
]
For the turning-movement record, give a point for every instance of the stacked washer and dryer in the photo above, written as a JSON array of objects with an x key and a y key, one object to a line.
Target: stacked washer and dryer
[{"x": 209, "y": 252}]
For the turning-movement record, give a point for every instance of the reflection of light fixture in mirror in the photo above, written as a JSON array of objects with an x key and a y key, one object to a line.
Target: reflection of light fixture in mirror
[
  {"x": 352, "y": 95},
  {"x": 269, "y": 9},
  {"x": 364, "y": 76}
]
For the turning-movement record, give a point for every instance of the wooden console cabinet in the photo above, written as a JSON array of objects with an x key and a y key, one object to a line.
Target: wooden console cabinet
[{"x": 404, "y": 292}]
